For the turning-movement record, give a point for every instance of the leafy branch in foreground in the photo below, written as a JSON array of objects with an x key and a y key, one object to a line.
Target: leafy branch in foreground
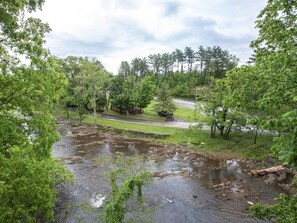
[
  {"x": 285, "y": 211},
  {"x": 127, "y": 176}
]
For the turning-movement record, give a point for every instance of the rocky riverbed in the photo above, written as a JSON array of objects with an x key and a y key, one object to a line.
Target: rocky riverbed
[{"x": 188, "y": 186}]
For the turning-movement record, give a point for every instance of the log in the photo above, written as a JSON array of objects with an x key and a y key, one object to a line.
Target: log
[{"x": 274, "y": 169}]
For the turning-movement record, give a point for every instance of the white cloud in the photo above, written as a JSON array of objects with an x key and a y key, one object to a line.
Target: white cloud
[{"x": 117, "y": 30}]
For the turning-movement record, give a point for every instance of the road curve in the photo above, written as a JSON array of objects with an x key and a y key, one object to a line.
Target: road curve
[
  {"x": 185, "y": 103},
  {"x": 176, "y": 123}
]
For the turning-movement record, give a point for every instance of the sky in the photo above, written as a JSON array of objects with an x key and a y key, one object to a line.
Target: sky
[{"x": 120, "y": 30}]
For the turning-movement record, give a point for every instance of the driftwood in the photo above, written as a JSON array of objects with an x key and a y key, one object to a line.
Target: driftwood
[{"x": 274, "y": 169}]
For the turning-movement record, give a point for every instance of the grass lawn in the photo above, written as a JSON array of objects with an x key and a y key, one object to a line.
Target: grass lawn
[
  {"x": 239, "y": 145},
  {"x": 148, "y": 116},
  {"x": 151, "y": 115},
  {"x": 186, "y": 114},
  {"x": 88, "y": 119}
]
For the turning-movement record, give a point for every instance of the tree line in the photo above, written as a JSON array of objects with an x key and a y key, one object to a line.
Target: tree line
[{"x": 208, "y": 61}]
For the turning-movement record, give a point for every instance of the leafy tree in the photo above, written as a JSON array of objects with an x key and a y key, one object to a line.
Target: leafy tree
[
  {"x": 122, "y": 94},
  {"x": 28, "y": 172},
  {"x": 180, "y": 59},
  {"x": 156, "y": 62},
  {"x": 144, "y": 93},
  {"x": 275, "y": 61},
  {"x": 165, "y": 63},
  {"x": 275, "y": 67},
  {"x": 190, "y": 57},
  {"x": 90, "y": 81},
  {"x": 70, "y": 66},
  {"x": 124, "y": 68},
  {"x": 164, "y": 100}
]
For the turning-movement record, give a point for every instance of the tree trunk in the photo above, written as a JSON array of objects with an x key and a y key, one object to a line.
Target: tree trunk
[
  {"x": 67, "y": 112},
  {"x": 224, "y": 116},
  {"x": 106, "y": 101},
  {"x": 212, "y": 131},
  {"x": 94, "y": 99},
  {"x": 255, "y": 137},
  {"x": 228, "y": 131}
]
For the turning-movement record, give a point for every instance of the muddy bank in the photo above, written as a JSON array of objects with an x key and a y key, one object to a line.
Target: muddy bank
[{"x": 187, "y": 187}]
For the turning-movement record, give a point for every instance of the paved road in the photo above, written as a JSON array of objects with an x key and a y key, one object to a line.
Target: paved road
[
  {"x": 176, "y": 124},
  {"x": 185, "y": 103}
]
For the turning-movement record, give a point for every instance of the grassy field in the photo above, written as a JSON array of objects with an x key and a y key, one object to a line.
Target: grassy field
[
  {"x": 148, "y": 116},
  {"x": 239, "y": 145},
  {"x": 88, "y": 119},
  {"x": 151, "y": 115}
]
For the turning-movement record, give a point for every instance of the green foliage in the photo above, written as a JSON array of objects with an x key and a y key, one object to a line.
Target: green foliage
[
  {"x": 122, "y": 95},
  {"x": 203, "y": 66},
  {"x": 27, "y": 186},
  {"x": 164, "y": 100},
  {"x": 145, "y": 91},
  {"x": 128, "y": 95},
  {"x": 115, "y": 207},
  {"x": 87, "y": 84},
  {"x": 127, "y": 176},
  {"x": 284, "y": 211},
  {"x": 267, "y": 89},
  {"x": 27, "y": 132}
]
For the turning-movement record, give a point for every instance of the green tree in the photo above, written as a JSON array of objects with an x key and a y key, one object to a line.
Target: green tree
[
  {"x": 164, "y": 100},
  {"x": 276, "y": 56},
  {"x": 28, "y": 173},
  {"x": 89, "y": 83},
  {"x": 122, "y": 94},
  {"x": 180, "y": 59},
  {"x": 165, "y": 63},
  {"x": 144, "y": 93},
  {"x": 189, "y": 57},
  {"x": 275, "y": 65},
  {"x": 124, "y": 68}
]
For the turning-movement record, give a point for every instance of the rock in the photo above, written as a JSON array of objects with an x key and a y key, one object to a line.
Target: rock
[
  {"x": 169, "y": 201},
  {"x": 270, "y": 179},
  {"x": 226, "y": 185},
  {"x": 274, "y": 169}
]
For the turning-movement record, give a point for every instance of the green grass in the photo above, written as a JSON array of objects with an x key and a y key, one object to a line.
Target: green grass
[
  {"x": 239, "y": 145},
  {"x": 88, "y": 119},
  {"x": 148, "y": 116},
  {"x": 186, "y": 114}
]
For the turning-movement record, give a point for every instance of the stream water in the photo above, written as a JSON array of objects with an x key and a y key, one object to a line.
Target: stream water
[{"x": 187, "y": 187}]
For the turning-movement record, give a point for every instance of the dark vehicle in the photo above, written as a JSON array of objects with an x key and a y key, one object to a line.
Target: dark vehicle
[{"x": 165, "y": 114}]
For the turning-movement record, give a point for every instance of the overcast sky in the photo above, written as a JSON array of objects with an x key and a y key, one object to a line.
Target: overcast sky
[{"x": 117, "y": 30}]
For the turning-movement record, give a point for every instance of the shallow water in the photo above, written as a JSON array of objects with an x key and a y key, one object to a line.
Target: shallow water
[{"x": 187, "y": 187}]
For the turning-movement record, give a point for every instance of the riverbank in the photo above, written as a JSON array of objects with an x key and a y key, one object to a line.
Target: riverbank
[{"x": 239, "y": 145}]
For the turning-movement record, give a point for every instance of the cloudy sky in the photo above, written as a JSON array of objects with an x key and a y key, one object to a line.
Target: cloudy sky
[{"x": 117, "y": 30}]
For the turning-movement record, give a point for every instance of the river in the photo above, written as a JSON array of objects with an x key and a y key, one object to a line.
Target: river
[{"x": 187, "y": 187}]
